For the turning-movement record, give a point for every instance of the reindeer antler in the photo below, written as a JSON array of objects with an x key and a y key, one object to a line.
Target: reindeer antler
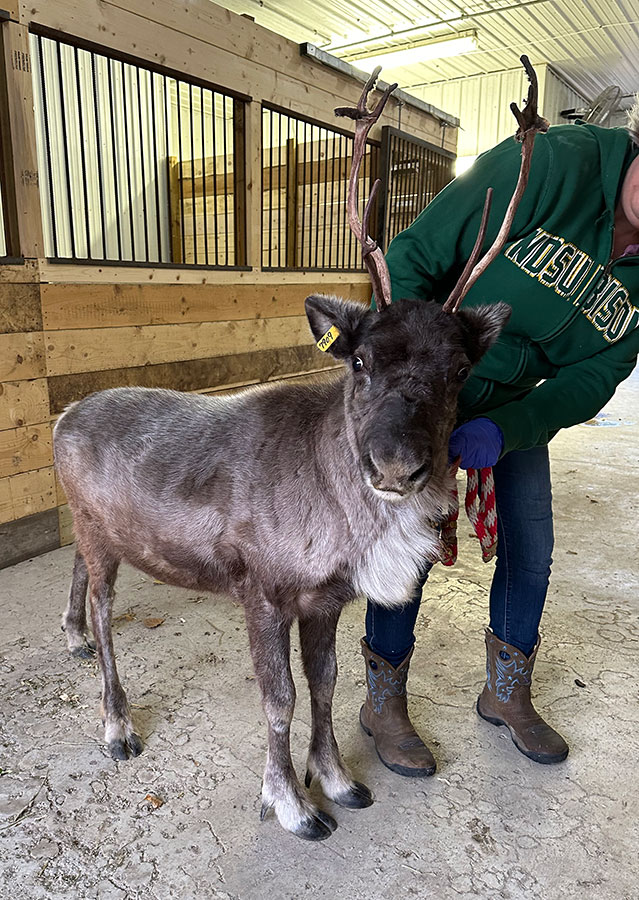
[
  {"x": 371, "y": 253},
  {"x": 530, "y": 122}
]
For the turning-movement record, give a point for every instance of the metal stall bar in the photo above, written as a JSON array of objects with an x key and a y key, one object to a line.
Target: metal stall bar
[
  {"x": 413, "y": 172},
  {"x": 108, "y": 128}
]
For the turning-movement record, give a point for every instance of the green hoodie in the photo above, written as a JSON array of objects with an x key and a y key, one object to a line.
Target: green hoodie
[{"x": 573, "y": 335}]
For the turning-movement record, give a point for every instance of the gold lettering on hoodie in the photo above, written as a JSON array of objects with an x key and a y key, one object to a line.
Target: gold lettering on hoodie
[{"x": 575, "y": 276}]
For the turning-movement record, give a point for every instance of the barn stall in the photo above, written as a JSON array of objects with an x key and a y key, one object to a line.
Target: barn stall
[{"x": 173, "y": 186}]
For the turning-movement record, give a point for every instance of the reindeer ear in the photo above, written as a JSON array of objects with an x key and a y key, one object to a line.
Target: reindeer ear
[
  {"x": 482, "y": 325},
  {"x": 325, "y": 312}
]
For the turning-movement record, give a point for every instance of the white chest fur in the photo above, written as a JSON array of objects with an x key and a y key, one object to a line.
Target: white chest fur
[{"x": 389, "y": 568}]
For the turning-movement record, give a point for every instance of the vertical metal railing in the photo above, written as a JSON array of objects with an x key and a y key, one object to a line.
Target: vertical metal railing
[
  {"x": 137, "y": 164},
  {"x": 413, "y": 173},
  {"x": 9, "y": 239},
  {"x": 305, "y": 169},
  {"x": 3, "y": 239}
]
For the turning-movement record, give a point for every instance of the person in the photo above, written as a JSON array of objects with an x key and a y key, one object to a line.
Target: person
[{"x": 570, "y": 272}]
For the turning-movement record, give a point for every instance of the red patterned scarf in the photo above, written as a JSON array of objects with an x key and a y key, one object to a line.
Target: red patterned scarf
[{"x": 481, "y": 512}]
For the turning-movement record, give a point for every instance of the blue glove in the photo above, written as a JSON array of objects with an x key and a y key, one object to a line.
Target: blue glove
[{"x": 479, "y": 443}]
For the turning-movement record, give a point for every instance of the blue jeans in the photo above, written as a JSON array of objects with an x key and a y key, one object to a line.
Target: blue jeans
[{"x": 524, "y": 555}]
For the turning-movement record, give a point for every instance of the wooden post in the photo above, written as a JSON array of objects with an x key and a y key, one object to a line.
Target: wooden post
[
  {"x": 254, "y": 186},
  {"x": 175, "y": 210},
  {"x": 373, "y": 174},
  {"x": 19, "y": 163},
  {"x": 292, "y": 196},
  {"x": 239, "y": 180},
  {"x": 383, "y": 194}
]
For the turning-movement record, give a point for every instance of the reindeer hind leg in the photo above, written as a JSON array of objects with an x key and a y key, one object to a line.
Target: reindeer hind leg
[
  {"x": 74, "y": 619},
  {"x": 119, "y": 734}
]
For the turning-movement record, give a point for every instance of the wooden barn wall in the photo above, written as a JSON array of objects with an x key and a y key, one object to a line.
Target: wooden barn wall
[{"x": 67, "y": 330}]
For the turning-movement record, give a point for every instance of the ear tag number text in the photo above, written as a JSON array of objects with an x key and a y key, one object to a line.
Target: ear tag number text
[{"x": 327, "y": 339}]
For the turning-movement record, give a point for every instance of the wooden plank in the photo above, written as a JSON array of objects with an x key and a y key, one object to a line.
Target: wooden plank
[
  {"x": 23, "y": 403},
  {"x": 95, "y": 349},
  {"x": 219, "y": 27},
  {"x": 61, "y": 273},
  {"x": 12, "y": 7},
  {"x": 315, "y": 172},
  {"x": 17, "y": 88},
  {"x": 29, "y": 537},
  {"x": 191, "y": 375},
  {"x": 65, "y": 520},
  {"x": 20, "y": 307},
  {"x": 24, "y": 449},
  {"x": 26, "y": 494},
  {"x": 26, "y": 272},
  {"x": 299, "y": 84},
  {"x": 6, "y": 503},
  {"x": 254, "y": 185},
  {"x": 251, "y": 42},
  {"x": 21, "y": 356},
  {"x": 61, "y": 497},
  {"x": 108, "y": 305}
]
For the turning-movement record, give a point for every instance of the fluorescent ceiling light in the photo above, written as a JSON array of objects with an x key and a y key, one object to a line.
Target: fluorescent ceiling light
[{"x": 408, "y": 56}]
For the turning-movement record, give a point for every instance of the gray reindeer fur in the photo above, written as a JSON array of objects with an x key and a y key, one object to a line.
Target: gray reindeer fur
[{"x": 293, "y": 499}]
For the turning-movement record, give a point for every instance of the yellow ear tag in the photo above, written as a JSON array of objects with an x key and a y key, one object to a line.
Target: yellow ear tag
[{"x": 329, "y": 338}]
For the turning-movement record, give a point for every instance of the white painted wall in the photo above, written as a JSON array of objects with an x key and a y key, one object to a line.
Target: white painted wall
[
  {"x": 558, "y": 95},
  {"x": 482, "y": 104}
]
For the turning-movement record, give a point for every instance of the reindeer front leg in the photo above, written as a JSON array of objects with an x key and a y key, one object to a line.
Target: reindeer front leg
[
  {"x": 317, "y": 638},
  {"x": 269, "y": 637}
]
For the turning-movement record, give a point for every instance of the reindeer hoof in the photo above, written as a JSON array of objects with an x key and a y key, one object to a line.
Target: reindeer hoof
[
  {"x": 129, "y": 747},
  {"x": 329, "y": 821},
  {"x": 357, "y": 797},
  {"x": 135, "y": 744},
  {"x": 317, "y": 827},
  {"x": 87, "y": 651},
  {"x": 264, "y": 810},
  {"x": 117, "y": 749}
]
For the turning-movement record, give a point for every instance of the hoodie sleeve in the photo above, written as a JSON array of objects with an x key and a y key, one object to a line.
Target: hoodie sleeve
[
  {"x": 577, "y": 393},
  {"x": 428, "y": 256}
]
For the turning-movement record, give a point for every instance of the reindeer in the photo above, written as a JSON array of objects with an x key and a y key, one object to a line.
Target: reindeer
[{"x": 292, "y": 499}]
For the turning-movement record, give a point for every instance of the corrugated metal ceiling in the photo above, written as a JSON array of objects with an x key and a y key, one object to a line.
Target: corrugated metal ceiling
[{"x": 591, "y": 44}]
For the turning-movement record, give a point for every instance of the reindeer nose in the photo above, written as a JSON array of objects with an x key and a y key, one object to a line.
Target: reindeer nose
[{"x": 397, "y": 475}]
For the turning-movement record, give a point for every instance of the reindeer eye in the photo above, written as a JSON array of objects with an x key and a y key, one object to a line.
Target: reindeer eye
[
  {"x": 463, "y": 373},
  {"x": 358, "y": 364}
]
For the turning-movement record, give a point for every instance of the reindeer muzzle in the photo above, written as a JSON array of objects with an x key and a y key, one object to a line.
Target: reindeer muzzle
[{"x": 396, "y": 475}]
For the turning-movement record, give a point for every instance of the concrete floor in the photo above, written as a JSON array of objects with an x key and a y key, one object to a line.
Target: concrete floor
[{"x": 490, "y": 824}]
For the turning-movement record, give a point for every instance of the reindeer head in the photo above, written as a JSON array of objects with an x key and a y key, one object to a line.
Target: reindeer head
[
  {"x": 405, "y": 367},
  {"x": 407, "y": 362}
]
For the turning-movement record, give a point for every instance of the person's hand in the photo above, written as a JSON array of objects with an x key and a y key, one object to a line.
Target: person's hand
[{"x": 477, "y": 444}]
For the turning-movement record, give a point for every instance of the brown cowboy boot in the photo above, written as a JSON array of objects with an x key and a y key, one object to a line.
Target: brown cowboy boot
[
  {"x": 384, "y": 717},
  {"x": 505, "y": 700}
]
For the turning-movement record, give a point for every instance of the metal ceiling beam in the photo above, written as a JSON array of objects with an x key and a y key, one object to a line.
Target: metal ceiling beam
[{"x": 417, "y": 28}]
